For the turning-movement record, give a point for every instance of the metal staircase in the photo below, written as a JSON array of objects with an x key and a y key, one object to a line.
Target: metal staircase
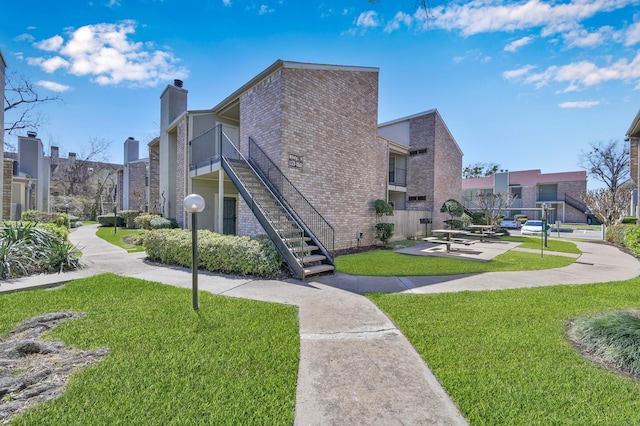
[
  {"x": 575, "y": 203},
  {"x": 293, "y": 239}
]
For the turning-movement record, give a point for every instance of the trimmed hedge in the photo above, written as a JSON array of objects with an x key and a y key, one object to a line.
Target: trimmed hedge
[
  {"x": 60, "y": 219},
  {"x": 110, "y": 220},
  {"x": 143, "y": 221},
  {"x": 216, "y": 253},
  {"x": 129, "y": 217}
]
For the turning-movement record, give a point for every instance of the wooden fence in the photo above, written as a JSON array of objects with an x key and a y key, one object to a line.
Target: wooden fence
[{"x": 408, "y": 224}]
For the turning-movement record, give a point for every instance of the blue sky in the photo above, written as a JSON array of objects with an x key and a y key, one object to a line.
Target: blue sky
[{"x": 524, "y": 84}]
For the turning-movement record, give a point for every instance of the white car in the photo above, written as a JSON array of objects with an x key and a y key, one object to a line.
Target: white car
[
  {"x": 533, "y": 227},
  {"x": 510, "y": 223}
]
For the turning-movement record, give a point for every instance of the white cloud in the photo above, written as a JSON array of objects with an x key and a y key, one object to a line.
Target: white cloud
[
  {"x": 517, "y": 44},
  {"x": 480, "y": 16},
  {"x": 368, "y": 19},
  {"x": 264, "y": 9},
  {"x": 25, "y": 37},
  {"x": 106, "y": 53},
  {"x": 112, "y": 3},
  {"x": 581, "y": 74},
  {"x": 517, "y": 73},
  {"x": 633, "y": 34},
  {"x": 53, "y": 86},
  {"x": 579, "y": 104},
  {"x": 51, "y": 44},
  {"x": 583, "y": 38},
  {"x": 401, "y": 18},
  {"x": 226, "y": 2}
]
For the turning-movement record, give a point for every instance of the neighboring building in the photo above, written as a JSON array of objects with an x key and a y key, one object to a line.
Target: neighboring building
[
  {"x": 531, "y": 189},
  {"x": 425, "y": 163},
  {"x": 297, "y": 153},
  {"x": 29, "y": 180},
  {"x": 33, "y": 181},
  {"x": 633, "y": 136},
  {"x": 133, "y": 179}
]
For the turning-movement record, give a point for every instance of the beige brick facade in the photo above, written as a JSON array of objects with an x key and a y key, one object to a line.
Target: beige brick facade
[
  {"x": 301, "y": 112},
  {"x": 7, "y": 187},
  {"x": 154, "y": 177}
]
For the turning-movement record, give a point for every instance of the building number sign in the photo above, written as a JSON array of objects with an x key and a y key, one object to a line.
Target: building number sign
[{"x": 295, "y": 161}]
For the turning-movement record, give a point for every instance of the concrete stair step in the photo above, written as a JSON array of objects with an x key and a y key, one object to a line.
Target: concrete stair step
[{"x": 318, "y": 269}]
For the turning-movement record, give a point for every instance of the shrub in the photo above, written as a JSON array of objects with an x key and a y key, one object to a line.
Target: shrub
[
  {"x": 216, "y": 253},
  {"x": 384, "y": 232},
  {"x": 110, "y": 220},
  {"x": 60, "y": 219},
  {"x": 632, "y": 239},
  {"x": 160, "y": 223},
  {"x": 27, "y": 249},
  {"x": 615, "y": 234},
  {"x": 129, "y": 217},
  {"x": 630, "y": 220},
  {"x": 142, "y": 221},
  {"x": 613, "y": 337}
]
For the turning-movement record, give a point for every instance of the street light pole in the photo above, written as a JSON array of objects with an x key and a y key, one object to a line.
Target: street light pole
[{"x": 194, "y": 204}]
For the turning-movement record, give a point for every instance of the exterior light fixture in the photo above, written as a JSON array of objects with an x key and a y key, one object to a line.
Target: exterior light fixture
[{"x": 194, "y": 204}]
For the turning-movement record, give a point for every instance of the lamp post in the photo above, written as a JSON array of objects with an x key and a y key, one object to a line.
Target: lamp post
[{"x": 194, "y": 204}]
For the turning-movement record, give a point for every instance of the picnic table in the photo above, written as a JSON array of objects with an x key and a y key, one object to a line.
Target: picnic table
[
  {"x": 485, "y": 231},
  {"x": 451, "y": 237}
]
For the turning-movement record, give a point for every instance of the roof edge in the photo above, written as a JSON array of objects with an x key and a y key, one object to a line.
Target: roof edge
[{"x": 286, "y": 64}]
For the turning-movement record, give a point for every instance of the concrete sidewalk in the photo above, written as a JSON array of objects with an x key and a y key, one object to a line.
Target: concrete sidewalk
[{"x": 355, "y": 365}]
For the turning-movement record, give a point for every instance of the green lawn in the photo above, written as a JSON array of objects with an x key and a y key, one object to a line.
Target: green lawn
[
  {"x": 116, "y": 238},
  {"x": 233, "y": 362},
  {"x": 389, "y": 263},
  {"x": 504, "y": 358}
]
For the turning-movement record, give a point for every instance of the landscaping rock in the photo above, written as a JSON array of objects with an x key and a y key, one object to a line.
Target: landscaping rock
[{"x": 33, "y": 371}]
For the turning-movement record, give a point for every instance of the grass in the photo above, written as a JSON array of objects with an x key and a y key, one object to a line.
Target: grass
[
  {"x": 388, "y": 263},
  {"x": 504, "y": 358},
  {"x": 552, "y": 244},
  {"x": 117, "y": 238},
  {"x": 233, "y": 362}
]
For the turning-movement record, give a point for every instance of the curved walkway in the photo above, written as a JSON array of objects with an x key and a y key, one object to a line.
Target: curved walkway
[{"x": 355, "y": 365}]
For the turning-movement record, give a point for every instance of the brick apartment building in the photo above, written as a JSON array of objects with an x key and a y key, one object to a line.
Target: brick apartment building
[
  {"x": 31, "y": 178},
  {"x": 531, "y": 189},
  {"x": 297, "y": 153}
]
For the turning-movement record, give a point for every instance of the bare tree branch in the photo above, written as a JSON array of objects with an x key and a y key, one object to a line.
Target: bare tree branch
[
  {"x": 609, "y": 206},
  {"x": 21, "y": 98},
  {"x": 608, "y": 163}
]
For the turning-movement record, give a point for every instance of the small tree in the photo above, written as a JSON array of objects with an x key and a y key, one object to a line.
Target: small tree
[
  {"x": 609, "y": 206},
  {"x": 384, "y": 231},
  {"x": 455, "y": 209},
  {"x": 493, "y": 205}
]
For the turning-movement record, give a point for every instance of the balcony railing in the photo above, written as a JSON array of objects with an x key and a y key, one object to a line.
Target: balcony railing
[
  {"x": 207, "y": 148},
  {"x": 398, "y": 177}
]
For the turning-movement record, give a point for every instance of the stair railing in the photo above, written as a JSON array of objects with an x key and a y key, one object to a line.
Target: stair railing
[{"x": 318, "y": 227}]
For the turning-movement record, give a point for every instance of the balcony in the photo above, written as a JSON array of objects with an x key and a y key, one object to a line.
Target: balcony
[
  {"x": 207, "y": 148},
  {"x": 398, "y": 177}
]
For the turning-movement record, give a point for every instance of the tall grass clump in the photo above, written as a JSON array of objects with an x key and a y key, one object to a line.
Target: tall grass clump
[
  {"x": 26, "y": 249},
  {"x": 613, "y": 337},
  {"x": 230, "y": 254}
]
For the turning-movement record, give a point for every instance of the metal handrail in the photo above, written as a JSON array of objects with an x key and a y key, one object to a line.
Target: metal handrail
[
  {"x": 208, "y": 147},
  {"x": 319, "y": 228}
]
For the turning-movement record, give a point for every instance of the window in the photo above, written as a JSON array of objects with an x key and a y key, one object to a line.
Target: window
[
  {"x": 418, "y": 198},
  {"x": 417, "y": 151}
]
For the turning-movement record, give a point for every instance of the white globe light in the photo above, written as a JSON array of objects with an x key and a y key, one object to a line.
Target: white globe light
[{"x": 193, "y": 203}]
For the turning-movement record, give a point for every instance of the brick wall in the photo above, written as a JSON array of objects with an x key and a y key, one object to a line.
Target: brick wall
[
  {"x": 448, "y": 170},
  {"x": 436, "y": 174},
  {"x": 137, "y": 185},
  {"x": 182, "y": 170},
  {"x": 154, "y": 179},
  {"x": 7, "y": 187},
  {"x": 328, "y": 118}
]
